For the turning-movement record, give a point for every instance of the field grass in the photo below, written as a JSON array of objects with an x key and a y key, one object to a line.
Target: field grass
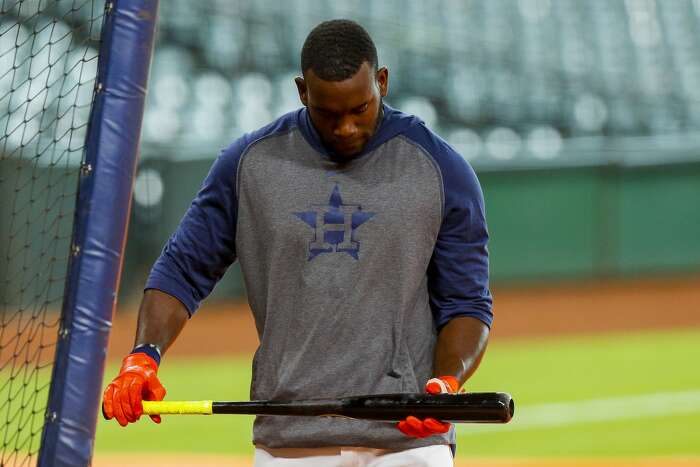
[{"x": 616, "y": 372}]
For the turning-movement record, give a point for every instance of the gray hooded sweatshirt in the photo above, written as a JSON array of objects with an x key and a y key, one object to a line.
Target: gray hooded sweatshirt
[{"x": 351, "y": 269}]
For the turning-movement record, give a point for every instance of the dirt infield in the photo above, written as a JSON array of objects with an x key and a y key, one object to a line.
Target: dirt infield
[
  {"x": 593, "y": 307},
  {"x": 220, "y": 461}
]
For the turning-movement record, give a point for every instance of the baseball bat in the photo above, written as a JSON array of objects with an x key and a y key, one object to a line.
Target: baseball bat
[{"x": 473, "y": 407}]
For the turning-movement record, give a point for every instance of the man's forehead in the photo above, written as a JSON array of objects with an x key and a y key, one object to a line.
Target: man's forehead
[{"x": 340, "y": 95}]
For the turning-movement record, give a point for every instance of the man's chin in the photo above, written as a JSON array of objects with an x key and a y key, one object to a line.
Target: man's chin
[{"x": 347, "y": 152}]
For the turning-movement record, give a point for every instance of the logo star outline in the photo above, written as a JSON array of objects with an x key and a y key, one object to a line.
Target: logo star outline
[{"x": 334, "y": 215}]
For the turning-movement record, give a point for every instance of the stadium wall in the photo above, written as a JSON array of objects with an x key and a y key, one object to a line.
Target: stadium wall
[{"x": 593, "y": 222}]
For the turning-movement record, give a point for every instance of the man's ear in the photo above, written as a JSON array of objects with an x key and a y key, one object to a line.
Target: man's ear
[
  {"x": 301, "y": 87},
  {"x": 382, "y": 77}
]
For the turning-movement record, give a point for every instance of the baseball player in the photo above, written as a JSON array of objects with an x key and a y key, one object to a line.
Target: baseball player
[{"x": 362, "y": 240}]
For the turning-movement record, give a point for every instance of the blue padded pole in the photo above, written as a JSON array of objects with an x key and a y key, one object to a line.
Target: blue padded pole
[{"x": 99, "y": 232}]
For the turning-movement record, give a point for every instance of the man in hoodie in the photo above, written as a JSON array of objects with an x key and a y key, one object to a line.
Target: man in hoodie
[{"x": 362, "y": 240}]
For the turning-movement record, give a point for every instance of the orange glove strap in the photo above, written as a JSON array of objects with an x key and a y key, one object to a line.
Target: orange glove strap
[
  {"x": 139, "y": 363},
  {"x": 442, "y": 385},
  {"x": 452, "y": 382}
]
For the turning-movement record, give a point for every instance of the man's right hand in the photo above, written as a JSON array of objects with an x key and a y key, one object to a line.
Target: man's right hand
[{"x": 137, "y": 381}]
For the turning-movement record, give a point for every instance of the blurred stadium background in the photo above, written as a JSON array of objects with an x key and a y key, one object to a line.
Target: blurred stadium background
[{"x": 582, "y": 120}]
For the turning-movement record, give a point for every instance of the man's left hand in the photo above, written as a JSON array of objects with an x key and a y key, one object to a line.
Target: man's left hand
[{"x": 417, "y": 428}]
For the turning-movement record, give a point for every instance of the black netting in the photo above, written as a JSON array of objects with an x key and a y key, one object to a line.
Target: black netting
[{"x": 48, "y": 64}]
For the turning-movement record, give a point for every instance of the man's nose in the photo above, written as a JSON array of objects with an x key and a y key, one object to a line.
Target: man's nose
[{"x": 345, "y": 128}]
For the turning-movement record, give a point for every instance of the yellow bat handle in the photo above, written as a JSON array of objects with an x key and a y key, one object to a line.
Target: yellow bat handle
[{"x": 177, "y": 407}]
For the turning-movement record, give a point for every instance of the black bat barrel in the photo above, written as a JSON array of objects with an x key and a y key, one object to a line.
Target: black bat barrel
[
  {"x": 457, "y": 408},
  {"x": 475, "y": 407}
]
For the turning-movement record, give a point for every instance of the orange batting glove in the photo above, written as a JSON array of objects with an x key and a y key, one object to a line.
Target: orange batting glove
[
  {"x": 417, "y": 428},
  {"x": 136, "y": 381}
]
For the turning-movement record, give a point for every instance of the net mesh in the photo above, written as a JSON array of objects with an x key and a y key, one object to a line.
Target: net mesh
[{"x": 48, "y": 65}]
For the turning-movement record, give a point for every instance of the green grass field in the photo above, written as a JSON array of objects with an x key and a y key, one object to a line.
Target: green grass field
[{"x": 635, "y": 395}]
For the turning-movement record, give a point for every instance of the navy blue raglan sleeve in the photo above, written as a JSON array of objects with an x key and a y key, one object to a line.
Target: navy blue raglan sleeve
[
  {"x": 458, "y": 273},
  {"x": 202, "y": 247}
]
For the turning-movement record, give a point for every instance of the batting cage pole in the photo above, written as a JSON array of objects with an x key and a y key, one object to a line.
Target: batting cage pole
[{"x": 99, "y": 233}]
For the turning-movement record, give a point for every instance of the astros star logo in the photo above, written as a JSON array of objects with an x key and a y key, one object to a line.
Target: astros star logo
[{"x": 334, "y": 225}]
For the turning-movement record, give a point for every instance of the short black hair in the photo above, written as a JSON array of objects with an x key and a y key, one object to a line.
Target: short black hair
[{"x": 336, "y": 49}]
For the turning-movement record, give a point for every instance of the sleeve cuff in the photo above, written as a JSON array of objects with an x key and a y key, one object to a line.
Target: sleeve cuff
[
  {"x": 486, "y": 318},
  {"x": 191, "y": 305}
]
